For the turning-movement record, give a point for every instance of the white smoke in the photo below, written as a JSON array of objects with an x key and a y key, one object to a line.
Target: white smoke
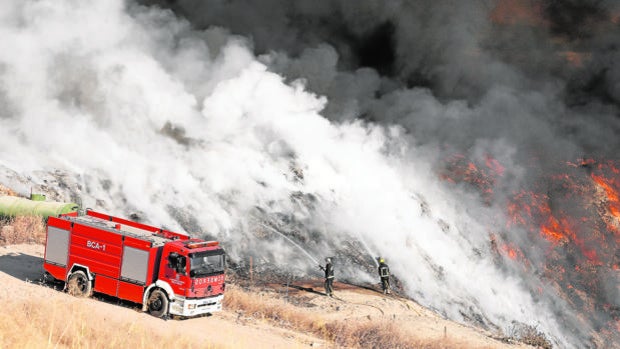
[{"x": 150, "y": 114}]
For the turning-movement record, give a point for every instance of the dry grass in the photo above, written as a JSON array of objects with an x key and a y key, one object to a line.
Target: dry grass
[
  {"x": 22, "y": 230},
  {"x": 6, "y": 191},
  {"x": 530, "y": 335},
  {"x": 377, "y": 334},
  {"x": 69, "y": 324}
]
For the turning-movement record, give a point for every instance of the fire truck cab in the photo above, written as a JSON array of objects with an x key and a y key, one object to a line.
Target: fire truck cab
[{"x": 166, "y": 272}]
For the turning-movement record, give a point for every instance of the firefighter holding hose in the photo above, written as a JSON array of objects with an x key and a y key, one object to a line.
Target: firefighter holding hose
[
  {"x": 329, "y": 276},
  {"x": 384, "y": 274}
]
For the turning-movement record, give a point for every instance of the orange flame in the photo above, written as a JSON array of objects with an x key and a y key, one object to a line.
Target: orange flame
[
  {"x": 612, "y": 195},
  {"x": 611, "y": 189},
  {"x": 577, "y": 213},
  {"x": 585, "y": 230},
  {"x": 553, "y": 229},
  {"x": 494, "y": 165},
  {"x": 513, "y": 252},
  {"x": 483, "y": 178}
]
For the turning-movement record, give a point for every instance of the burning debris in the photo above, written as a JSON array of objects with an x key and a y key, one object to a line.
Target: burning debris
[
  {"x": 482, "y": 176},
  {"x": 565, "y": 230}
]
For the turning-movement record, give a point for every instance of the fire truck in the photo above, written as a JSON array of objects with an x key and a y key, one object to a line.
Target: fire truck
[{"x": 167, "y": 272}]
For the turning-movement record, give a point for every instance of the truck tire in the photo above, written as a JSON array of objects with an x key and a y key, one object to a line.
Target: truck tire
[
  {"x": 78, "y": 284},
  {"x": 158, "y": 303}
]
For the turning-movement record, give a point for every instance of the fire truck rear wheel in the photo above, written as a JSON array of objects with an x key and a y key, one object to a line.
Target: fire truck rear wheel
[
  {"x": 78, "y": 284},
  {"x": 158, "y": 303}
]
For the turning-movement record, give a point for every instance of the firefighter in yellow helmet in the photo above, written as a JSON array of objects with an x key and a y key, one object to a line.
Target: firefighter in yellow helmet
[{"x": 384, "y": 274}]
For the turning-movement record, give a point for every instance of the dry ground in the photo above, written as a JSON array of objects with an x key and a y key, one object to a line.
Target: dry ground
[{"x": 37, "y": 315}]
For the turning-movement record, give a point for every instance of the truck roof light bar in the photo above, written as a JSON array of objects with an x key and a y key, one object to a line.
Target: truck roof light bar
[{"x": 193, "y": 245}]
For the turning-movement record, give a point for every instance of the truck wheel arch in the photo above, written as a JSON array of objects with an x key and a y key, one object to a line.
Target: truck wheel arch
[
  {"x": 78, "y": 284},
  {"x": 164, "y": 286},
  {"x": 85, "y": 269},
  {"x": 158, "y": 303}
]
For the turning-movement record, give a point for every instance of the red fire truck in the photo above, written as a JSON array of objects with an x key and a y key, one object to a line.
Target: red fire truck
[{"x": 166, "y": 272}]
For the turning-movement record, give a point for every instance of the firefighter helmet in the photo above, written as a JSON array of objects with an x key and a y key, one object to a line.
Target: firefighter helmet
[
  {"x": 381, "y": 260},
  {"x": 328, "y": 259}
]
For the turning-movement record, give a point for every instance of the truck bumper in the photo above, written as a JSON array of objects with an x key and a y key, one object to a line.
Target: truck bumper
[{"x": 192, "y": 307}]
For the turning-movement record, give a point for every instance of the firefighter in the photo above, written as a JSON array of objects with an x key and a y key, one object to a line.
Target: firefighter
[
  {"x": 384, "y": 274},
  {"x": 329, "y": 276}
]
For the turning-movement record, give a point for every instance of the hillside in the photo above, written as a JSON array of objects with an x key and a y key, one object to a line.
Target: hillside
[{"x": 39, "y": 315}]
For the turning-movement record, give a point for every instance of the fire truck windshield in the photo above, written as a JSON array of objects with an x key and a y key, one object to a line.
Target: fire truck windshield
[{"x": 206, "y": 263}]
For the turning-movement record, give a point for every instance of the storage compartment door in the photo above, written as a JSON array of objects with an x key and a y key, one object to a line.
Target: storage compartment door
[
  {"x": 134, "y": 267},
  {"x": 57, "y": 246}
]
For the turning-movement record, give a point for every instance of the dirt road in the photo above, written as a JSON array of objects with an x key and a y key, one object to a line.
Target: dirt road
[{"x": 21, "y": 268}]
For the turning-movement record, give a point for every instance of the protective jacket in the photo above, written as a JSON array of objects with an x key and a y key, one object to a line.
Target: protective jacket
[
  {"x": 384, "y": 270},
  {"x": 329, "y": 271}
]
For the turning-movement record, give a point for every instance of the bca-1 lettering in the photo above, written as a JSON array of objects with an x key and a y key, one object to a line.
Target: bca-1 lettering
[{"x": 95, "y": 245}]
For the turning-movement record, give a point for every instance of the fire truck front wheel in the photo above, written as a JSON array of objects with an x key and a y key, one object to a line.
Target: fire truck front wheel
[
  {"x": 158, "y": 303},
  {"x": 78, "y": 284}
]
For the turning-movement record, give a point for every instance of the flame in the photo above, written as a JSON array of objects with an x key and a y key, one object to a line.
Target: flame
[
  {"x": 508, "y": 250},
  {"x": 571, "y": 219},
  {"x": 513, "y": 252},
  {"x": 481, "y": 177},
  {"x": 494, "y": 165},
  {"x": 613, "y": 195},
  {"x": 553, "y": 230},
  {"x": 527, "y": 207}
]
